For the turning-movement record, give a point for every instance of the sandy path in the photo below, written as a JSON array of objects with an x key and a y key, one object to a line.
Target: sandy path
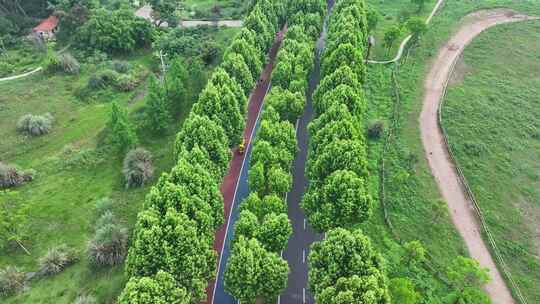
[{"x": 462, "y": 212}]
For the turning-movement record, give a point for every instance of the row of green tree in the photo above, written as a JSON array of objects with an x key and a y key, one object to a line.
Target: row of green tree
[
  {"x": 344, "y": 267},
  {"x": 256, "y": 271},
  {"x": 171, "y": 258}
]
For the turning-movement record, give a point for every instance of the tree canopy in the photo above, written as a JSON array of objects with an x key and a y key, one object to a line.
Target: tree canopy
[
  {"x": 342, "y": 201},
  {"x": 345, "y": 264},
  {"x": 254, "y": 273}
]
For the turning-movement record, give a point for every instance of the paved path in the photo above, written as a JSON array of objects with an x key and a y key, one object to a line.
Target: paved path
[
  {"x": 146, "y": 11},
  {"x": 406, "y": 40},
  {"x": 297, "y": 251},
  {"x": 234, "y": 186},
  {"x": 462, "y": 212}
]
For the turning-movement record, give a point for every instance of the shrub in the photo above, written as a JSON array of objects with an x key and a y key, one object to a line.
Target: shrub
[
  {"x": 35, "y": 125},
  {"x": 85, "y": 299},
  {"x": 108, "y": 247},
  {"x": 121, "y": 66},
  {"x": 138, "y": 167},
  {"x": 126, "y": 83},
  {"x": 68, "y": 63},
  {"x": 103, "y": 79},
  {"x": 10, "y": 176},
  {"x": 104, "y": 205},
  {"x": 376, "y": 129},
  {"x": 56, "y": 260},
  {"x": 11, "y": 280},
  {"x": 105, "y": 219}
]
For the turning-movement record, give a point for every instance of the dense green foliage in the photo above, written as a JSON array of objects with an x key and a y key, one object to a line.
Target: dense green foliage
[
  {"x": 158, "y": 289},
  {"x": 345, "y": 268},
  {"x": 252, "y": 272},
  {"x": 122, "y": 132},
  {"x": 175, "y": 231},
  {"x": 263, "y": 224},
  {"x": 114, "y": 31},
  {"x": 339, "y": 196},
  {"x": 157, "y": 107}
]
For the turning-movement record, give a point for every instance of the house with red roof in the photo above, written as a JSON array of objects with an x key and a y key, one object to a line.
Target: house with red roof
[{"x": 47, "y": 28}]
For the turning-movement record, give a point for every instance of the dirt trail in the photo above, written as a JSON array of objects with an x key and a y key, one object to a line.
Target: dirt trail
[{"x": 462, "y": 212}]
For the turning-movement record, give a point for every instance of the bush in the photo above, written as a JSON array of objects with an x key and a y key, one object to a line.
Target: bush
[
  {"x": 138, "y": 167},
  {"x": 11, "y": 280},
  {"x": 10, "y": 176},
  {"x": 105, "y": 219},
  {"x": 126, "y": 83},
  {"x": 56, "y": 260},
  {"x": 104, "y": 205},
  {"x": 108, "y": 247},
  {"x": 69, "y": 64},
  {"x": 121, "y": 66},
  {"x": 35, "y": 125},
  {"x": 85, "y": 299},
  {"x": 376, "y": 129}
]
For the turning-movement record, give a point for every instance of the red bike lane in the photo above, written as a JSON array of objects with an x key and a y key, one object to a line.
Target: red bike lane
[{"x": 230, "y": 181}]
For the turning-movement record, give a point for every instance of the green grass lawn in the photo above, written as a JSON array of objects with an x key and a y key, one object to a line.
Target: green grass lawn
[
  {"x": 62, "y": 197},
  {"x": 492, "y": 116},
  {"x": 411, "y": 190}
]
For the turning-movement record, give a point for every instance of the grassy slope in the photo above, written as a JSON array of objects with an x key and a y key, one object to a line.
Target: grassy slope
[
  {"x": 494, "y": 129},
  {"x": 62, "y": 201},
  {"x": 411, "y": 190}
]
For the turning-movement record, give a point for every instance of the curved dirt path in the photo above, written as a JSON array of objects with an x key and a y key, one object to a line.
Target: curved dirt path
[
  {"x": 406, "y": 40},
  {"x": 461, "y": 208}
]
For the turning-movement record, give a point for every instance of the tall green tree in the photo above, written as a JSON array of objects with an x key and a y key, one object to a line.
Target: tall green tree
[
  {"x": 417, "y": 27},
  {"x": 237, "y": 68},
  {"x": 345, "y": 54},
  {"x": 402, "y": 291},
  {"x": 346, "y": 260},
  {"x": 250, "y": 53},
  {"x": 342, "y": 201},
  {"x": 158, "y": 289},
  {"x": 289, "y": 105},
  {"x": 114, "y": 31},
  {"x": 172, "y": 244},
  {"x": 252, "y": 273},
  {"x": 165, "y": 11},
  {"x": 262, "y": 207},
  {"x": 339, "y": 155},
  {"x": 222, "y": 107},
  {"x": 468, "y": 278},
  {"x": 122, "y": 135},
  {"x": 176, "y": 84},
  {"x": 391, "y": 36},
  {"x": 157, "y": 114},
  {"x": 201, "y": 131}
]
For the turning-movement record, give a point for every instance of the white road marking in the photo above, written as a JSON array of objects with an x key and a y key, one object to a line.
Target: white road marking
[
  {"x": 303, "y": 256},
  {"x": 303, "y": 295},
  {"x": 304, "y": 224}
]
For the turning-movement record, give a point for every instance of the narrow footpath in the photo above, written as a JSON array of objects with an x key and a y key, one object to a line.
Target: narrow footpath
[
  {"x": 436, "y": 150},
  {"x": 234, "y": 186},
  {"x": 303, "y": 236}
]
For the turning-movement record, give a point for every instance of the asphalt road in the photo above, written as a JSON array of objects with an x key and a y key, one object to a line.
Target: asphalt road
[
  {"x": 297, "y": 250},
  {"x": 235, "y": 184}
]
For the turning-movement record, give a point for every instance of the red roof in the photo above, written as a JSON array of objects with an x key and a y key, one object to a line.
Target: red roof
[{"x": 47, "y": 25}]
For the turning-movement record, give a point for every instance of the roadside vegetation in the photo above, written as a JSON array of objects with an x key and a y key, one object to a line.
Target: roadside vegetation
[
  {"x": 64, "y": 174},
  {"x": 492, "y": 123},
  {"x": 411, "y": 196}
]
